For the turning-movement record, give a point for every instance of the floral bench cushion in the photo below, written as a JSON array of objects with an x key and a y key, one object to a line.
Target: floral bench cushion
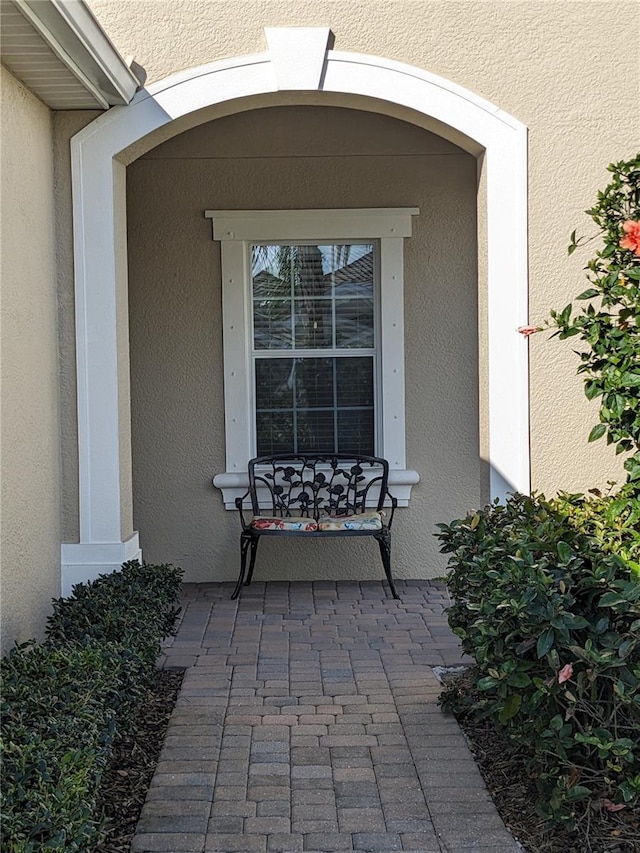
[
  {"x": 261, "y": 522},
  {"x": 361, "y": 521}
]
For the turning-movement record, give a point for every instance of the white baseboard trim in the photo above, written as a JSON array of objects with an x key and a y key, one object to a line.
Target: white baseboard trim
[{"x": 86, "y": 561}]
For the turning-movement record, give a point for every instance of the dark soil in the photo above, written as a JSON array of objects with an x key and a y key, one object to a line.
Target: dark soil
[
  {"x": 514, "y": 793},
  {"x": 126, "y": 780}
]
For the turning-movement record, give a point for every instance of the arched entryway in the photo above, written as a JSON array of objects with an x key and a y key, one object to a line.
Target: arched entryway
[{"x": 297, "y": 69}]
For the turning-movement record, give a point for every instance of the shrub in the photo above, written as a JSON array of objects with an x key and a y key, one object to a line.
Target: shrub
[
  {"x": 97, "y": 609},
  {"x": 552, "y": 619},
  {"x": 613, "y": 520},
  {"x": 131, "y": 611},
  {"x": 57, "y": 728},
  {"x": 64, "y": 702}
]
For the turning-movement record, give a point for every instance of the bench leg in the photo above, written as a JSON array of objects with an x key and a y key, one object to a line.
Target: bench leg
[
  {"x": 245, "y": 541},
  {"x": 252, "y": 559},
  {"x": 384, "y": 543}
]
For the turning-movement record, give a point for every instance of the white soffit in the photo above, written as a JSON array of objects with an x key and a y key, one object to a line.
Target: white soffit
[{"x": 61, "y": 53}]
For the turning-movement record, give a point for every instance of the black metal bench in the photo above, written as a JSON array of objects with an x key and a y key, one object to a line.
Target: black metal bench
[{"x": 315, "y": 494}]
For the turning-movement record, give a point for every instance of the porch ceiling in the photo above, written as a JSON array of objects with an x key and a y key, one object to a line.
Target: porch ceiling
[{"x": 59, "y": 51}]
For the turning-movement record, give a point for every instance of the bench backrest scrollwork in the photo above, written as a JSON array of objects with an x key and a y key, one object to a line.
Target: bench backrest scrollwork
[{"x": 311, "y": 485}]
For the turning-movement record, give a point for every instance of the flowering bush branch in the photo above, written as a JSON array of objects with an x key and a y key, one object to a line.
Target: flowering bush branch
[{"x": 610, "y": 323}]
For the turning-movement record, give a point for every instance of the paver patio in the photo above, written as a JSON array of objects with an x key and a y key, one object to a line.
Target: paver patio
[{"x": 308, "y": 721}]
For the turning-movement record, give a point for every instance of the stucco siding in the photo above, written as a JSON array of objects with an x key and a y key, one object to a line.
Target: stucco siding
[
  {"x": 294, "y": 157},
  {"x": 555, "y": 66},
  {"x": 31, "y": 498}
]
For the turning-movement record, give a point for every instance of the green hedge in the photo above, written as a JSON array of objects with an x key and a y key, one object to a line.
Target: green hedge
[
  {"x": 65, "y": 701},
  {"x": 547, "y": 601},
  {"x": 131, "y": 610}
]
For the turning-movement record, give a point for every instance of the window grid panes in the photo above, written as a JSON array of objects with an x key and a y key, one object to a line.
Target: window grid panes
[{"x": 313, "y": 311}]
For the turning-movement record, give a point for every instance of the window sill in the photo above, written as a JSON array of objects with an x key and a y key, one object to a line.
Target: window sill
[{"x": 235, "y": 484}]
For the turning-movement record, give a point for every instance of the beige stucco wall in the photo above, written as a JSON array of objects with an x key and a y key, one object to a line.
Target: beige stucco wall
[
  {"x": 31, "y": 499},
  {"x": 554, "y": 65},
  {"x": 560, "y": 67},
  {"x": 294, "y": 157}
]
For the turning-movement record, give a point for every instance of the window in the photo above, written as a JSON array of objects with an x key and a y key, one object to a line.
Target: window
[
  {"x": 314, "y": 355},
  {"x": 313, "y": 336}
]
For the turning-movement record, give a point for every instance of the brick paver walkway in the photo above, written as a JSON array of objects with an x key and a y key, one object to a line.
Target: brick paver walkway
[{"x": 308, "y": 721}]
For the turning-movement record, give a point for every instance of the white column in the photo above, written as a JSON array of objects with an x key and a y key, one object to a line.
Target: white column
[
  {"x": 507, "y": 309},
  {"x": 99, "y": 240}
]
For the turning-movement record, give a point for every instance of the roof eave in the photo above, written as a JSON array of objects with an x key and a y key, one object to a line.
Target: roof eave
[{"x": 75, "y": 36}]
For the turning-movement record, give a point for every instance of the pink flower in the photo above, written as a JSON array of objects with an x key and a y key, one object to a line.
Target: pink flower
[
  {"x": 565, "y": 673},
  {"x": 613, "y": 807},
  {"x": 632, "y": 239},
  {"x": 528, "y": 330}
]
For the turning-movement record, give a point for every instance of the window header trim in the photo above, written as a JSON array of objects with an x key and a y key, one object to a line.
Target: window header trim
[{"x": 330, "y": 224}]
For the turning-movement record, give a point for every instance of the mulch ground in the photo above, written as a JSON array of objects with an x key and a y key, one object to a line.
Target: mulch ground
[
  {"x": 127, "y": 778},
  {"x": 514, "y": 793}
]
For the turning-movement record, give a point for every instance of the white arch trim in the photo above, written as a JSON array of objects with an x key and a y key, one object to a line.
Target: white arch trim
[{"x": 298, "y": 60}]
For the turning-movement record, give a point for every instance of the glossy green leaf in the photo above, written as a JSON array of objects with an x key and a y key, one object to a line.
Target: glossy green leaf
[
  {"x": 511, "y": 707},
  {"x": 592, "y": 389},
  {"x": 518, "y": 679},
  {"x": 612, "y": 599},
  {"x": 578, "y": 792},
  {"x": 545, "y": 642},
  {"x": 597, "y": 432},
  {"x": 565, "y": 552},
  {"x": 589, "y": 293}
]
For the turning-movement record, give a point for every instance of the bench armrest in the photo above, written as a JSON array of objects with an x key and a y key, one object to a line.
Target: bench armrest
[
  {"x": 239, "y": 506},
  {"x": 394, "y": 504}
]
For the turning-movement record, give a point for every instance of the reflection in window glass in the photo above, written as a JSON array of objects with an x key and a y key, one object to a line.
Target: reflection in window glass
[{"x": 313, "y": 297}]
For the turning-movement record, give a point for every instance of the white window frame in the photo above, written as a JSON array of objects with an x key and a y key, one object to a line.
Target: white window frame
[{"x": 236, "y": 231}]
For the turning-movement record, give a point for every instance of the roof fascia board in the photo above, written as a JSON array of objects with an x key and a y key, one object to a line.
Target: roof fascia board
[{"x": 78, "y": 40}]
